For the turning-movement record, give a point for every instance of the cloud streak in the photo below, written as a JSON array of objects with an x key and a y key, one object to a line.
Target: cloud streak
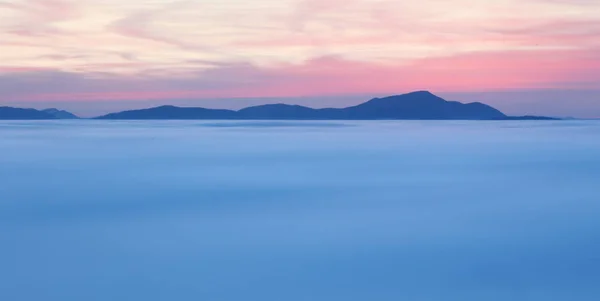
[
  {"x": 141, "y": 49},
  {"x": 328, "y": 75}
]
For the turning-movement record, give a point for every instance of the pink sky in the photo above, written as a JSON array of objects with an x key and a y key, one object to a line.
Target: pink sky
[{"x": 105, "y": 51}]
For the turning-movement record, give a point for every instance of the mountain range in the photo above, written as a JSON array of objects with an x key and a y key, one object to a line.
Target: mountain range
[
  {"x": 9, "y": 113},
  {"x": 60, "y": 114},
  {"x": 420, "y": 105}
]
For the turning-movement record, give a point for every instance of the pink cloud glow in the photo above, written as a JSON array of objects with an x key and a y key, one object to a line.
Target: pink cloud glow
[
  {"x": 92, "y": 50},
  {"x": 335, "y": 76}
]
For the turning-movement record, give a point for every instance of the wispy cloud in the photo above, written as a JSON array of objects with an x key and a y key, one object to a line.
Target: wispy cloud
[
  {"x": 112, "y": 49},
  {"x": 328, "y": 75}
]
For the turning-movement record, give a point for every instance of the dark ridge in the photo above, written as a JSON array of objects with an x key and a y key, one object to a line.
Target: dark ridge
[
  {"x": 60, "y": 114},
  {"x": 277, "y": 111},
  {"x": 420, "y": 105},
  {"x": 172, "y": 112},
  {"x": 9, "y": 113}
]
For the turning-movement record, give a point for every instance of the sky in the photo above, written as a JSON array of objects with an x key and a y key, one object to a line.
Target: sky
[{"x": 94, "y": 56}]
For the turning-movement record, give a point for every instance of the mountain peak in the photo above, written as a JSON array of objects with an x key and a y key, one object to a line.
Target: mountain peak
[
  {"x": 422, "y": 93},
  {"x": 418, "y": 97},
  {"x": 167, "y": 107},
  {"x": 10, "y": 113},
  {"x": 60, "y": 114}
]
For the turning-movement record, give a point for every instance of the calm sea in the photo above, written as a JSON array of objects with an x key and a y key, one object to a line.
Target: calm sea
[{"x": 300, "y": 211}]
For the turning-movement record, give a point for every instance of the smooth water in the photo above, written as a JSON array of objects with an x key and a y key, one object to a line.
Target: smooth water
[{"x": 300, "y": 211}]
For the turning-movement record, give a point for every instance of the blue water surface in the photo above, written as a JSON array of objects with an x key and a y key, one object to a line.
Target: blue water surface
[{"x": 299, "y": 211}]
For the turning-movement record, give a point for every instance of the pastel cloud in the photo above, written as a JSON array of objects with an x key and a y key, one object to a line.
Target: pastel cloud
[
  {"x": 141, "y": 49},
  {"x": 324, "y": 76}
]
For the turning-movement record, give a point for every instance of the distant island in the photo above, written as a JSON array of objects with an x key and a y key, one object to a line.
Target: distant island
[
  {"x": 9, "y": 113},
  {"x": 420, "y": 105}
]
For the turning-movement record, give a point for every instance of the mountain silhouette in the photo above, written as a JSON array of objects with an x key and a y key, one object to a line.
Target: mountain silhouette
[
  {"x": 60, "y": 114},
  {"x": 280, "y": 111},
  {"x": 420, "y": 105},
  {"x": 9, "y": 113},
  {"x": 173, "y": 112}
]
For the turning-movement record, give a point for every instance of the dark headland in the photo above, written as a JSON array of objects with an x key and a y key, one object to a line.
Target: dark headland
[
  {"x": 421, "y": 105},
  {"x": 9, "y": 113}
]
